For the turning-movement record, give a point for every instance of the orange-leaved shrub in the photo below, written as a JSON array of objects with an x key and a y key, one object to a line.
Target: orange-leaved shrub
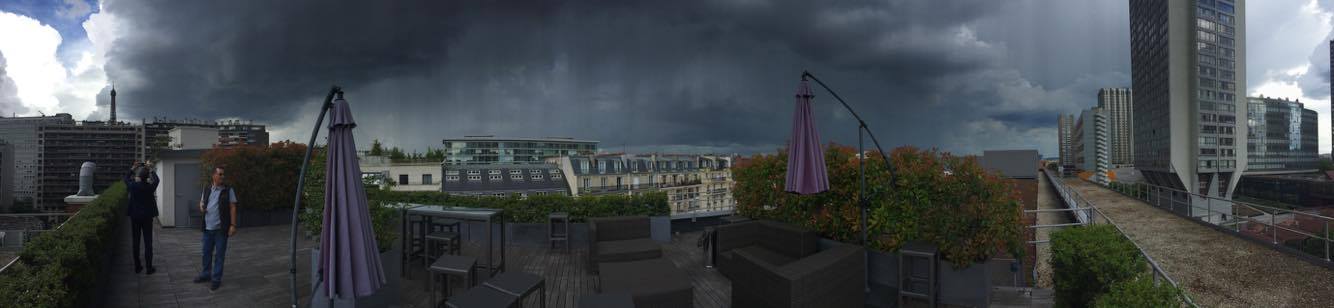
[{"x": 950, "y": 201}]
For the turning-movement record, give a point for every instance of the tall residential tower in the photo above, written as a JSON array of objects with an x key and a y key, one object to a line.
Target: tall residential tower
[
  {"x": 1116, "y": 101},
  {"x": 1188, "y": 69},
  {"x": 1065, "y": 130}
]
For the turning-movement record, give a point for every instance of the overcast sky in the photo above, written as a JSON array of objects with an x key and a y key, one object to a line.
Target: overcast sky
[{"x": 698, "y": 76}]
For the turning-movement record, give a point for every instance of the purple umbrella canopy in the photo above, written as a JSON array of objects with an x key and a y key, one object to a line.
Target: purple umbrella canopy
[
  {"x": 349, "y": 256},
  {"x": 805, "y": 158}
]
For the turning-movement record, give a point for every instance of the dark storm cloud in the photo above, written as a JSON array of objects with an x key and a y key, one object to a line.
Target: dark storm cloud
[
  {"x": 9, "y": 94},
  {"x": 635, "y": 74}
]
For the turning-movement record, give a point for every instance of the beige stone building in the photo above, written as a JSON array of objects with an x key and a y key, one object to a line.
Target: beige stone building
[{"x": 696, "y": 185}]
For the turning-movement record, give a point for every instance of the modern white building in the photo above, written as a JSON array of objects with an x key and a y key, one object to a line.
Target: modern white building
[
  {"x": 1116, "y": 101},
  {"x": 1188, "y": 70},
  {"x": 406, "y": 176},
  {"x": 192, "y": 137},
  {"x": 1091, "y": 148}
]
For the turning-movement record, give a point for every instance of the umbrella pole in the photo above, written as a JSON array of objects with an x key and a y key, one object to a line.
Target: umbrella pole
[
  {"x": 861, "y": 161},
  {"x": 301, "y": 182}
]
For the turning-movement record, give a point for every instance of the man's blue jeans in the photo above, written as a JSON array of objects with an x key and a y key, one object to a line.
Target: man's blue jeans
[{"x": 214, "y": 241}]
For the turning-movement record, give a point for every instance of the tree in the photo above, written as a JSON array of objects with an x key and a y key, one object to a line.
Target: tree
[
  {"x": 396, "y": 153},
  {"x": 376, "y": 148},
  {"x": 264, "y": 177},
  {"x": 950, "y": 201}
]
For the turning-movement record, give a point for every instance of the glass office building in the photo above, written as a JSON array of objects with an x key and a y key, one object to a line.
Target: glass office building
[
  {"x": 1281, "y": 136},
  {"x": 483, "y": 150}
]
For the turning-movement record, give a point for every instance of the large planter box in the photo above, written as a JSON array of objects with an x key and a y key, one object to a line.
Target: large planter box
[
  {"x": 386, "y": 296},
  {"x": 661, "y": 228},
  {"x": 258, "y": 218},
  {"x": 966, "y": 287}
]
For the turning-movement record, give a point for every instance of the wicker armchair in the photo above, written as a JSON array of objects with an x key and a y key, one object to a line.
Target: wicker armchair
[
  {"x": 620, "y": 239},
  {"x": 773, "y": 264}
]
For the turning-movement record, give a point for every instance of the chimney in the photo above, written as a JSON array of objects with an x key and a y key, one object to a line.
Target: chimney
[{"x": 113, "y": 105}]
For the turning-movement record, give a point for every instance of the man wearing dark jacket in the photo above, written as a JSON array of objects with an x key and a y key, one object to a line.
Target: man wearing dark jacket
[{"x": 140, "y": 184}]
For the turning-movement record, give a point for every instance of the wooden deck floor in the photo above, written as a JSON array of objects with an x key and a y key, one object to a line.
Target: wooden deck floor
[
  {"x": 257, "y": 260},
  {"x": 567, "y": 278}
]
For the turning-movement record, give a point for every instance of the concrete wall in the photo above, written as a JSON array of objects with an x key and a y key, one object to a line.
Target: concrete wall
[{"x": 192, "y": 138}]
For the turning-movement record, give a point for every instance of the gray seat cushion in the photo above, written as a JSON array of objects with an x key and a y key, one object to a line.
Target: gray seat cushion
[
  {"x": 762, "y": 254},
  {"x": 627, "y": 250}
]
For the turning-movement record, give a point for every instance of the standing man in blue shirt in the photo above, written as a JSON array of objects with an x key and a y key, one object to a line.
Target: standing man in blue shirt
[{"x": 218, "y": 203}]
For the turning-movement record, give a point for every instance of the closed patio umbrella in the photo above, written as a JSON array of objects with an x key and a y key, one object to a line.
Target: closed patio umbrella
[
  {"x": 349, "y": 257},
  {"x": 805, "y": 158}
]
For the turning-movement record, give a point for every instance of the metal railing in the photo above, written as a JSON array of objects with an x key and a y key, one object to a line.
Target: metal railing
[
  {"x": 28, "y": 235},
  {"x": 1076, "y": 203},
  {"x": 1238, "y": 213}
]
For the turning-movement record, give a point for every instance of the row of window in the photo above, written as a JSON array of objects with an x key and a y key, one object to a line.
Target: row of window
[
  {"x": 1210, "y": 129},
  {"x": 1218, "y": 61},
  {"x": 1216, "y": 84},
  {"x": 1219, "y": 141},
  {"x": 496, "y": 177},
  {"x": 403, "y": 179},
  {"x": 1218, "y": 163},
  {"x": 1216, "y": 73},
  {"x": 1222, "y": 15},
  {"x": 497, "y": 171},
  {"x": 1213, "y": 26},
  {"x": 1218, "y": 152},
  {"x": 1218, "y": 118},
  {"x": 1218, "y": 96}
]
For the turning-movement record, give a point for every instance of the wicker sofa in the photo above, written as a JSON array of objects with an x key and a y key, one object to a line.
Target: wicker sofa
[
  {"x": 773, "y": 264},
  {"x": 620, "y": 239}
]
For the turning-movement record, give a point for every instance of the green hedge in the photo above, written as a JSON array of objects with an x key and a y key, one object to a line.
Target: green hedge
[
  {"x": 1089, "y": 260},
  {"x": 61, "y": 268},
  {"x": 534, "y": 209},
  {"x": 1140, "y": 291}
]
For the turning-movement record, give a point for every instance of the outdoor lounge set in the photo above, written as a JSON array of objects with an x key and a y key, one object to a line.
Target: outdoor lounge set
[{"x": 770, "y": 264}]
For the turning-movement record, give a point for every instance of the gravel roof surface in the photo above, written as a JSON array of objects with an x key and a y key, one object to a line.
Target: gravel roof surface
[{"x": 1216, "y": 269}]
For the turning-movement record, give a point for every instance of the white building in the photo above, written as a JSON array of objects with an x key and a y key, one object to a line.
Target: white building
[
  {"x": 406, "y": 176},
  {"x": 1091, "y": 149}
]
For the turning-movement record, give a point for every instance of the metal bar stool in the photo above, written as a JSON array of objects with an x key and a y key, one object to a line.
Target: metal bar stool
[
  {"x": 448, "y": 265},
  {"x": 449, "y": 241},
  {"x": 563, "y": 235},
  {"x": 520, "y": 285}
]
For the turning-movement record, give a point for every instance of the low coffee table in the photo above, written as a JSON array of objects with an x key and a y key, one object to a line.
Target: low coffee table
[{"x": 652, "y": 282}]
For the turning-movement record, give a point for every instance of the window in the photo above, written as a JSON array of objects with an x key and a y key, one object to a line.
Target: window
[
  {"x": 514, "y": 172},
  {"x": 602, "y": 166},
  {"x": 451, "y": 172},
  {"x": 402, "y": 179},
  {"x": 553, "y": 171},
  {"x": 493, "y": 172},
  {"x": 555, "y": 176},
  {"x": 496, "y": 178},
  {"x": 583, "y": 165},
  {"x": 535, "y": 177},
  {"x": 474, "y": 172},
  {"x": 585, "y": 183},
  {"x": 452, "y": 178},
  {"x": 1224, "y": 8},
  {"x": 426, "y": 179},
  {"x": 604, "y": 182},
  {"x": 516, "y": 177},
  {"x": 474, "y": 178},
  {"x": 534, "y": 171}
]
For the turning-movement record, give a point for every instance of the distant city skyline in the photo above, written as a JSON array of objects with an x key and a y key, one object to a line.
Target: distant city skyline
[{"x": 983, "y": 75}]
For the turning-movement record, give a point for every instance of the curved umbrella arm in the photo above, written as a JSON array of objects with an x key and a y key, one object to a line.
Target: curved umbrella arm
[{"x": 301, "y": 182}]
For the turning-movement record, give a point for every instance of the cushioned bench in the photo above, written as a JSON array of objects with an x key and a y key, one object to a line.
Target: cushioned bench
[
  {"x": 651, "y": 283},
  {"x": 620, "y": 239}
]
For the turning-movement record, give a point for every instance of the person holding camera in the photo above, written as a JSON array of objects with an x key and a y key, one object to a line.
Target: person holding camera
[{"x": 140, "y": 184}]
